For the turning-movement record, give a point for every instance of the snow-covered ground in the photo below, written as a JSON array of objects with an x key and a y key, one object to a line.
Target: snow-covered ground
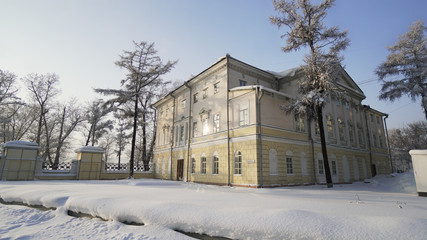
[{"x": 385, "y": 208}]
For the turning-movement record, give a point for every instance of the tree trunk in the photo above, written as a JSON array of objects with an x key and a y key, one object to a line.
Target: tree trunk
[
  {"x": 132, "y": 152},
  {"x": 39, "y": 129},
  {"x": 89, "y": 135},
  {"x": 93, "y": 133},
  {"x": 47, "y": 148},
  {"x": 324, "y": 150},
  {"x": 60, "y": 141},
  {"x": 144, "y": 140}
]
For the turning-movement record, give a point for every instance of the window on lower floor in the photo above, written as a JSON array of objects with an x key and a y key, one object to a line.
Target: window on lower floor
[
  {"x": 203, "y": 165},
  {"x": 289, "y": 165},
  {"x": 272, "y": 157},
  {"x": 215, "y": 167},
  {"x": 193, "y": 165},
  {"x": 321, "y": 170},
  {"x": 238, "y": 163},
  {"x": 334, "y": 167}
]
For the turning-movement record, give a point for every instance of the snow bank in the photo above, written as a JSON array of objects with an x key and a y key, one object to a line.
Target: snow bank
[{"x": 381, "y": 209}]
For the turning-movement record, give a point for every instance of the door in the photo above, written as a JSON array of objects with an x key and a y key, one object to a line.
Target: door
[{"x": 180, "y": 170}]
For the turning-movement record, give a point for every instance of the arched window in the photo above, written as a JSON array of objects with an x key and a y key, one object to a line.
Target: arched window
[
  {"x": 163, "y": 165},
  {"x": 272, "y": 157},
  {"x": 203, "y": 164},
  {"x": 193, "y": 164},
  {"x": 289, "y": 163},
  {"x": 215, "y": 163},
  {"x": 238, "y": 163},
  {"x": 158, "y": 165},
  {"x": 334, "y": 165},
  {"x": 304, "y": 170}
]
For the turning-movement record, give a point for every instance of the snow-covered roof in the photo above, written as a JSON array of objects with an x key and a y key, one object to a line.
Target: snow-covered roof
[
  {"x": 287, "y": 73},
  {"x": 90, "y": 149},
  {"x": 20, "y": 144}
]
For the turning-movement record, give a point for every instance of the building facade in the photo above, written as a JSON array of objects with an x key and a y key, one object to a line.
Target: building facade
[{"x": 226, "y": 126}]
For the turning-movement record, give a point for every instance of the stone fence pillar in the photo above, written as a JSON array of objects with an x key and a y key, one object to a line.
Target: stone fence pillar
[
  {"x": 90, "y": 161},
  {"x": 18, "y": 160},
  {"x": 419, "y": 163}
]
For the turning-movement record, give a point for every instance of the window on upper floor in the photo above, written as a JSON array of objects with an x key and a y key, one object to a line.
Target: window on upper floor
[
  {"x": 195, "y": 129},
  {"x": 378, "y": 120},
  {"x": 299, "y": 123},
  {"x": 347, "y": 105},
  {"x": 205, "y": 126},
  {"x": 167, "y": 111},
  {"x": 181, "y": 133},
  {"x": 242, "y": 83},
  {"x": 205, "y": 93},
  {"x": 360, "y": 135},
  {"x": 195, "y": 98},
  {"x": 351, "y": 131},
  {"x": 183, "y": 103},
  {"x": 341, "y": 129},
  {"x": 374, "y": 139},
  {"x": 216, "y": 88},
  {"x": 216, "y": 123},
  {"x": 244, "y": 115},
  {"x": 330, "y": 126}
]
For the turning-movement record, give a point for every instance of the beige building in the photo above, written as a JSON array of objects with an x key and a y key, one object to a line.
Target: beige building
[{"x": 225, "y": 126}]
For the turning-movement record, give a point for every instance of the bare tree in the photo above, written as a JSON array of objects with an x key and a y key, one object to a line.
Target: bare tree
[
  {"x": 144, "y": 68},
  {"x": 17, "y": 121},
  {"x": 402, "y": 140},
  {"x": 70, "y": 118},
  {"x": 42, "y": 89},
  {"x": 407, "y": 62},
  {"x": 7, "y": 88},
  {"x": 306, "y": 29}
]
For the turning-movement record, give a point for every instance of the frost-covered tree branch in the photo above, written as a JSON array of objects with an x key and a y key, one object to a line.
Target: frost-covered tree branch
[{"x": 407, "y": 63}]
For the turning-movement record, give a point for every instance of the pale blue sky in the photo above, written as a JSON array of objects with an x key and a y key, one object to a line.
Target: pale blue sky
[{"x": 81, "y": 39}]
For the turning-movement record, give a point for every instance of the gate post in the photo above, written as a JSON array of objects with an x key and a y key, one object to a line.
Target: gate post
[
  {"x": 18, "y": 160},
  {"x": 90, "y": 161}
]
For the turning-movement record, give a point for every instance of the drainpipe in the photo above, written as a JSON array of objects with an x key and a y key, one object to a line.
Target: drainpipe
[
  {"x": 312, "y": 151},
  {"x": 189, "y": 128},
  {"x": 228, "y": 116},
  {"x": 173, "y": 134},
  {"x": 366, "y": 108},
  {"x": 258, "y": 114},
  {"x": 388, "y": 143}
]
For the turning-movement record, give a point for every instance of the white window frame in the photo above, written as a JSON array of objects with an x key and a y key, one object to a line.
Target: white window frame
[
  {"x": 243, "y": 115},
  {"x": 238, "y": 163}
]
